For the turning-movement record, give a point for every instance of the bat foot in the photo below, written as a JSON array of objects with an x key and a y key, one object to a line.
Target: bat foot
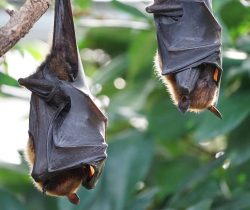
[{"x": 73, "y": 198}]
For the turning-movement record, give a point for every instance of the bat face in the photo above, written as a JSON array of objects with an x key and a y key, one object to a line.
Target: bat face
[
  {"x": 67, "y": 144},
  {"x": 199, "y": 98}
]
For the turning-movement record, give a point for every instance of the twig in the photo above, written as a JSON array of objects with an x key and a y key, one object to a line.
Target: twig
[{"x": 21, "y": 22}]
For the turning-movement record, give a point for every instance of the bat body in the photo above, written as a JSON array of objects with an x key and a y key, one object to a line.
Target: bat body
[
  {"x": 67, "y": 131},
  {"x": 189, "y": 52}
]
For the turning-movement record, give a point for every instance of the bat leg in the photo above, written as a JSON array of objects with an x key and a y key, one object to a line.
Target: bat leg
[
  {"x": 184, "y": 104},
  {"x": 45, "y": 185},
  {"x": 73, "y": 198}
]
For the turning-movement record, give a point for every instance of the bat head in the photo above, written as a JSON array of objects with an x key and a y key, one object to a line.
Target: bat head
[{"x": 195, "y": 89}]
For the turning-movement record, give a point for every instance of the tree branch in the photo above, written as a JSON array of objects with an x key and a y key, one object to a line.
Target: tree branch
[
  {"x": 21, "y": 22},
  {"x": 2, "y": 59}
]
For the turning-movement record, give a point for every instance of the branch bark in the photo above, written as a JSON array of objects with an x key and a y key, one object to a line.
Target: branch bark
[
  {"x": 2, "y": 59},
  {"x": 21, "y": 22}
]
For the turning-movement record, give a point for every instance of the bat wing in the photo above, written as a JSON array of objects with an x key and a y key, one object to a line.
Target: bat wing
[
  {"x": 189, "y": 40},
  {"x": 194, "y": 39},
  {"x": 68, "y": 128}
]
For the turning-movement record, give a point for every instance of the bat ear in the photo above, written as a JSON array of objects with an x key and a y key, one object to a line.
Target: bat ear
[
  {"x": 91, "y": 173},
  {"x": 184, "y": 105},
  {"x": 215, "y": 111},
  {"x": 64, "y": 39}
]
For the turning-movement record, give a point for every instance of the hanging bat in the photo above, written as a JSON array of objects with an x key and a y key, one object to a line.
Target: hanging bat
[
  {"x": 67, "y": 132},
  {"x": 189, "y": 53}
]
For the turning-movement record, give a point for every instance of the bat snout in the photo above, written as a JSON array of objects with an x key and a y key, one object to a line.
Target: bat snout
[{"x": 184, "y": 89}]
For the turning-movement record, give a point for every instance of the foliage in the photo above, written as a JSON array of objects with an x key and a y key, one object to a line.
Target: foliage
[{"x": 157, "y": 159}]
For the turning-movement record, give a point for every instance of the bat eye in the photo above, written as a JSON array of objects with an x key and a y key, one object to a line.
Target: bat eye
[
  {"x": 216, "y": 75},
  {"x": 91, "y": 173}
]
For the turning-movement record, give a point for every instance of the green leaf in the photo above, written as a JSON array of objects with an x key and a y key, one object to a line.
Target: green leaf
[
  {"x": 234, "y": 110},
  {"x": 143, "y": 200},
  {"x": 86, "y": 4},
  {"x": 239, "y": 203},
  {"x": 204, "y": 205},
  {"x": 166, "y": 122},
  {"x": 243, "y": 43},
  {"x": 141, "y": 64},
  {"x": 110, "y": 72},
  {"x": 238, "y": 144},
  {"x": 199, "y": 195},
  {"x": 236, "y": 17},
  {"x": 129, "y": 9},
  {"x": 133, "y": 97},
  {"x": 7, "y": 80},
  {"x": 10, "y": 202},
  {"x": 3, "y": 3},
  {"x": 169, "y": 173},
  {"x": 196, "y": 177}
]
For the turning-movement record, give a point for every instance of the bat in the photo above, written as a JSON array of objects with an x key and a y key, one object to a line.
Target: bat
[
  {"x": 189, "y": 53},
  {"x": 67, "y": 131}
]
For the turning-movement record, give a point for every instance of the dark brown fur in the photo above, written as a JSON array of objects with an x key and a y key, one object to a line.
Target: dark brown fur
[
  {"x": 59, "y": 66},
  {"x": 203, "y": 94}
]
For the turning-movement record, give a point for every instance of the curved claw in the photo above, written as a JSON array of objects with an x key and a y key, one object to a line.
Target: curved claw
[
  {"x": 73, "y": 198},
  {"x": 215, "y": 111}
]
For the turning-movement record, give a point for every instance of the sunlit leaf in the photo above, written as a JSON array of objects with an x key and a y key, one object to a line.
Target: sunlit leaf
[
  {"x": 204, "y": 205},
  {"x": 239, "y": 203},
  {"x": 7, "y": 80},
  {"x": 239, "y": 144},
  {"x": 143, "y": 200},
  {"x": 196, "y": 177},
  {"x": 234, "y": 110},
  {"x": 129, "y": 9},
  {"x": 84, "y": 4},
  {"x": 10, "y": 202}
]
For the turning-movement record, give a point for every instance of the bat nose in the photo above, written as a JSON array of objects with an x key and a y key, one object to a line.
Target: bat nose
[
  {"x": 187, "y": 79},
  {"x": 184, "y": 89}
]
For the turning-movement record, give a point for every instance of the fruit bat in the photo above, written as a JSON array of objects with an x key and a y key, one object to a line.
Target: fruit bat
[
  {"x": 189, "y": 52},
  {"x": 67, "y": 131}
]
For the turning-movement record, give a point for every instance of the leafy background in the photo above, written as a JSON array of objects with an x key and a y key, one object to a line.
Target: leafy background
[{"x": 157, "y": 159}]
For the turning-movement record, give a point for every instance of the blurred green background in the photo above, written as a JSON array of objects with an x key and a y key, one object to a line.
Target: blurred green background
[{"x": 157, "y": 159}]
